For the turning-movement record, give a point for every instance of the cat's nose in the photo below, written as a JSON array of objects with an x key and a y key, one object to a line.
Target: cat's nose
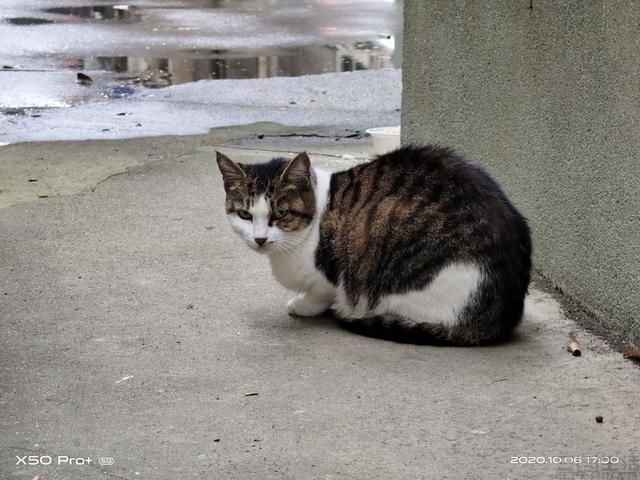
[{"x": 260, "y": 241}]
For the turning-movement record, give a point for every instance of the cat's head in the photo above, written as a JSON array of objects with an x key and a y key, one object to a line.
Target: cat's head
[{"x": 270, "y": 205}]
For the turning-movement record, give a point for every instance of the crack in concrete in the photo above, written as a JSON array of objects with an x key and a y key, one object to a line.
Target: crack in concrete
[
  {"x": 109, "y": 177},
  {"x": 341, "y": 157}
]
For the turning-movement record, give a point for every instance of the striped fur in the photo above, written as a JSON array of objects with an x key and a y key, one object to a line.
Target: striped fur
[{"x": 417, "y": 245}]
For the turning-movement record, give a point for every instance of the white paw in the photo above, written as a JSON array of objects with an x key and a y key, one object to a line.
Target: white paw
[{"x": 302, "y": 306}]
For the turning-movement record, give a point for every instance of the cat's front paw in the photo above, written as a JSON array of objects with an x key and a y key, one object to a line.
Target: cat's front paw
[{"x": 303, "y": 306}]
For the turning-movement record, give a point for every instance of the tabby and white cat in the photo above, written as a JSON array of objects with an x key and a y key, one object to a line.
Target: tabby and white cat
[{"x": 415, "y": 246}]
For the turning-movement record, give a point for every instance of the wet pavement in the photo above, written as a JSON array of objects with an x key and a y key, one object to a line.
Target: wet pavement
[
  {"x": 354, "y": 100},
  {"x": 128, "y": 48}
]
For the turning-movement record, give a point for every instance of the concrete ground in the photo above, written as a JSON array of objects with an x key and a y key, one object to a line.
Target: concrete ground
[{"x": 135, "y": 326}]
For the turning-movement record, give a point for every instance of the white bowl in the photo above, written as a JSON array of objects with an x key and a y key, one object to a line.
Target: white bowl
[{"x": 385, "y": 139}]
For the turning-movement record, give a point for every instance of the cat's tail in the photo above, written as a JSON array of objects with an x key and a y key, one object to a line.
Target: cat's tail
[{"x": 399, "y": 329}]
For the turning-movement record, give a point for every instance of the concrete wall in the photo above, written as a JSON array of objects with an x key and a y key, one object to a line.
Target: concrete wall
[{"x": 545, "y": 95}]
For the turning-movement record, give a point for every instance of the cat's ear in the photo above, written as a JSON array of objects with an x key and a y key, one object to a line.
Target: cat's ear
[
  {"x": 232, "y": 173},
  {"x": 299, "y": 170}
]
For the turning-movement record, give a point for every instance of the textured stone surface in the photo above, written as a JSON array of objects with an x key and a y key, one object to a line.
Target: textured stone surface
[{"x": 546, "y": 96}]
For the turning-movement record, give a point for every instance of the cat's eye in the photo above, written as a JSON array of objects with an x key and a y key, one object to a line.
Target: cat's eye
[
  {"x": 278, "y": 214},
  {"x": 243, "y": 214}
]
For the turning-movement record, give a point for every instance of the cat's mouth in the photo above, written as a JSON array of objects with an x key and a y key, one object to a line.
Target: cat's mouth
[{"x": 263, "y": 248}]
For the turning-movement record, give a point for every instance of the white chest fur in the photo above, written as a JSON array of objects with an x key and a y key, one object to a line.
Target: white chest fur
[{"x": 296, "y": 269}]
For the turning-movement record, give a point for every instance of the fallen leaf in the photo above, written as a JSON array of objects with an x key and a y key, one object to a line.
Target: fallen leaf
[
  {"x": 83, "y": 79},
  {"x": 632, "y": 354}
]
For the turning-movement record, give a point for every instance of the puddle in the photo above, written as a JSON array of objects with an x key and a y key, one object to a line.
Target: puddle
[
  {"x": 156, "y": 43},
  {"x": 173, "y": 67},
  {"x": 122, "y": 13},
  {"x": 24, "y": 21},
  {"x": 15, "y": 111},
  {"x": 194, "y": 65},
  {"x": 97, "y": 13}
]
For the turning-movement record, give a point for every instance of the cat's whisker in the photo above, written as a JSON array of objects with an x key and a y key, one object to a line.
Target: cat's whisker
[
  {"x": 289, "y": 248},
  {"x": 417, "y": 245}
]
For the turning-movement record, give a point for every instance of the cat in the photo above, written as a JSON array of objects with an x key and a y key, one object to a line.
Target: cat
[{"x": 416, "y": 246}]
